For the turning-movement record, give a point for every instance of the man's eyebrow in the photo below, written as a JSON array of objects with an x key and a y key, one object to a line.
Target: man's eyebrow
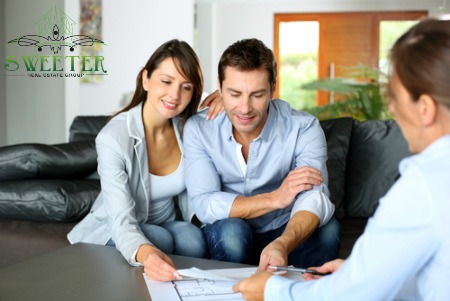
[
  {"x": 253, "y": 92},
  {"x": 263, "y": 90},
  {"x": 233, "y": 90}
]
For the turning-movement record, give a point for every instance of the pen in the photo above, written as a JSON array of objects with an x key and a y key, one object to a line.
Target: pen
[{"x": 299, "y": 270}]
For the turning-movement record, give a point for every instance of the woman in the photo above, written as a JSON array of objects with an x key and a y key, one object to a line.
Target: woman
[
  {"x": 141, "y": 169},
  {"x": 404, "y": 251}
]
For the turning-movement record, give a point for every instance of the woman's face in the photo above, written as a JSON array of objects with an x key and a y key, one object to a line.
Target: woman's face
[
  {"x": 168, "y": 91},
  {"x": 406, "y": 113}
]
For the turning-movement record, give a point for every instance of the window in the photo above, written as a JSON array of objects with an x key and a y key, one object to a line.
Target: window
[{"x": 315, "y": 46}]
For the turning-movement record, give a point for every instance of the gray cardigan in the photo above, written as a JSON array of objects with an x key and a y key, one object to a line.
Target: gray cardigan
[{"x": 123, "y": 170}]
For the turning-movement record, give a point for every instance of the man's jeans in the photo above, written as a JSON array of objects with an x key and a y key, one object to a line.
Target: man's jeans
[
  {"x": 175, "y": 237},
  {"x": 232, "y": 239}
]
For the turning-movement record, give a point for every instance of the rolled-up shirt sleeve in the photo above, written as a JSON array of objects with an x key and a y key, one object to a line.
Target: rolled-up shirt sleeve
[
  {"x": 311, "y": 150},
  {"x": 316, "y": 202}
]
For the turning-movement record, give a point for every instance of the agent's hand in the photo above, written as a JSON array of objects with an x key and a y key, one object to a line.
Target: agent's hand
[
  {"x": 329, "y": 267},
  {"x": 253, "y": 288},
  {"x": 274, "y": 254},
  {"x": 215, "y": 103},
  {"x": 157, "y": 265},
  {"x": 298, "y": 180}
]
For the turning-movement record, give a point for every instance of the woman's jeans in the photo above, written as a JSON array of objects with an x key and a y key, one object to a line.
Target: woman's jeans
[
  {"x": 232, "y": 239},
  {"x": 175, "y": 237}
]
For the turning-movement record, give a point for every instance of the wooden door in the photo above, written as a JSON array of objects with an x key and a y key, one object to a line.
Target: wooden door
[{"x": 346, "y": 39}]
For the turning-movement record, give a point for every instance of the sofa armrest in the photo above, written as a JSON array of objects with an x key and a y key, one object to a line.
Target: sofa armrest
[
  {"x": 38, "y": 161},
  {"x": 47, "y": 200}
]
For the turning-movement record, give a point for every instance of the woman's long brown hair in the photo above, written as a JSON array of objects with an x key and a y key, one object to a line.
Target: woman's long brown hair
[{"x": 186, "y": 62}]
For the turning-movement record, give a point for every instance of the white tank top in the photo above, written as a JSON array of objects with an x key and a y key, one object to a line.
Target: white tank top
[{"x": 162, "y": 190}]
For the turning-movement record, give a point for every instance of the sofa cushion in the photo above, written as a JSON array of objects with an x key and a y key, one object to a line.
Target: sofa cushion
[
  {"x": 86, "y": 127},
  {"x": 34, "y": 160},
  {"x": 337, "y": 132},
  {"x": 47, "y": 200},
  {"x": 376, "y": 148}
]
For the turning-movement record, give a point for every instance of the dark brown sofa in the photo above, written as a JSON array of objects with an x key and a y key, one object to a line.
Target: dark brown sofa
[{"x": 45, "y": 190}]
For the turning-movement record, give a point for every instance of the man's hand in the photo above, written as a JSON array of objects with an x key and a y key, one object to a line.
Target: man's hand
[
  {"x": 215, "y": 103},
  {"x": 301, "y": 225},
  {"x": 298, "y": 180},
  {"x": 329, "y": 267},
  {"x": 274, "y": 254},
  {"x": 252, "y": 288},
  {"x": 157, "y": 265}
]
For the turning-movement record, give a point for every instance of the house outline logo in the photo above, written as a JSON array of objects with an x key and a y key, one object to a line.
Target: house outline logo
[{"x": 55, "y": 31}]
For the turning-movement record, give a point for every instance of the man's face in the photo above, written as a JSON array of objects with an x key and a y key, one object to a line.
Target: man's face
[{"x": 246, "y": 97}]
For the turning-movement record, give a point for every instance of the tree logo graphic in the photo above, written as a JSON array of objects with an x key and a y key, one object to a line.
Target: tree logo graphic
[{"x": 55, "y": 32}]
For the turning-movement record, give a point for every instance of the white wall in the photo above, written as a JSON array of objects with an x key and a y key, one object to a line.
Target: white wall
[
  {"x": 133, "y": 30},
  {"x": 42, "y": 109},
  {"x": 34, "y": 106},
  {"x": 255, "y": 19}
]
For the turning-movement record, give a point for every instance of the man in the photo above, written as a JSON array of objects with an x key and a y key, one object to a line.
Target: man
[
  {"x": 403, "y": 252},
  {"x": 256, "y": 176}
]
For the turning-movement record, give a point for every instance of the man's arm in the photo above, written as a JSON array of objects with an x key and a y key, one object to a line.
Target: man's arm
[
  {"x": 298, "y": 229},
  {"x": 298, "y": 180},
  {"x": 312, "y": 208},
  {"x": 311, "y": 150}
]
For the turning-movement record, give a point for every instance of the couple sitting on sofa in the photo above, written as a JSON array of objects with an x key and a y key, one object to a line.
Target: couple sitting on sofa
[{"x": 256, "y": 176}]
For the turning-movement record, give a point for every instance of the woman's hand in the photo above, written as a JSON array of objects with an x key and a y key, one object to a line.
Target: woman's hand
[
  {"x": 215, "y": 103},
  {"x": 329, "y": 267},
  {"x": 253, "y": 288},
  {"x": 157, "y": 265}
]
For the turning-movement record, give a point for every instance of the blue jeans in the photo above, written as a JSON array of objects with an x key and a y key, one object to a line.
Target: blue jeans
[
  {"x": 232, "y": 239},
  {"x": 175, "y": 237}
]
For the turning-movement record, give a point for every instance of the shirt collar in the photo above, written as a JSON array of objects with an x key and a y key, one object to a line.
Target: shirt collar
[
  {"x": 135, "y": 124},
  {"x": 439, "y": 145}
]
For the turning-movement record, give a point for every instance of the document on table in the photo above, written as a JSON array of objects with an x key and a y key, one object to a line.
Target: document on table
[{"x": 202, "y": 285}]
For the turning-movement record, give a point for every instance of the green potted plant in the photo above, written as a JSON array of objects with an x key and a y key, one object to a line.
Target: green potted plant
[{"x": 359, "y": 94}]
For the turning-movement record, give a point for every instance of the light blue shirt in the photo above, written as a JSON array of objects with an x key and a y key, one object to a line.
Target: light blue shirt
[
  {"x": 214, "y": 177},
  {"x": 404, "y": 253}
]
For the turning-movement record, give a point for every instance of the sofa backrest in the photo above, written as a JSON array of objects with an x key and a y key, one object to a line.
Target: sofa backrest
[
  {"x": 337, "y": 132},
  {"x": 376, "y": 148},
  {"x": 86, "y": 127},
  {"x": 362, "y": 164},
  {"x": 363, "y": 159}
]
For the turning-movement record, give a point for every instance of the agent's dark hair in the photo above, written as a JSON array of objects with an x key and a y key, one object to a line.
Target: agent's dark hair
[
  {"x": 248, "y": 55},
  {"x": 421, "y": 59},
  {"x": 186, "y": 62}
]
